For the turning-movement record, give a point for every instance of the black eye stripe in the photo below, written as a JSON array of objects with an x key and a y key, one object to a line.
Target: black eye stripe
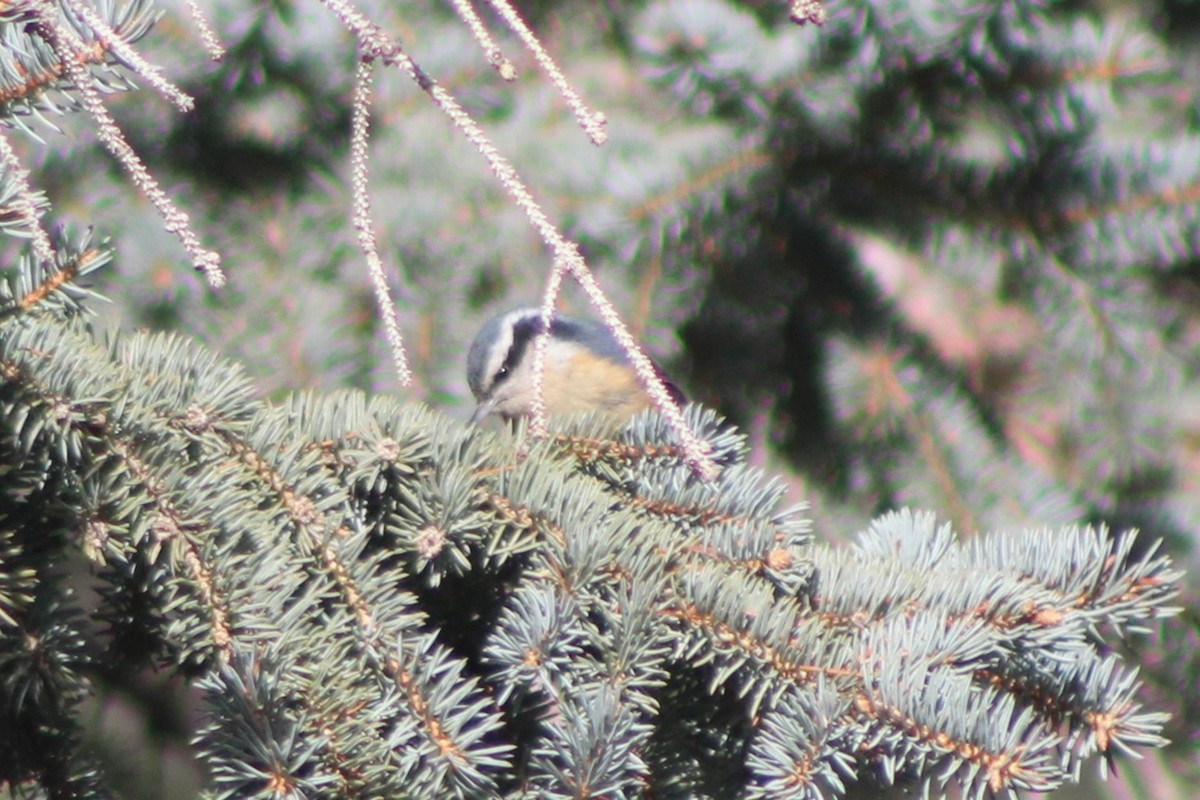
[{"x": 523, "y": 332}]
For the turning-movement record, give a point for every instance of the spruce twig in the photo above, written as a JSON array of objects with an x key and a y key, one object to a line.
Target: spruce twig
[
  {"x": 495, "y": 55},
  {"x": 359, "y": 160},
  {"x": 66, "y": 45},
  {"x": 152, "y": 74},
  {"x": 592, "y": 122},
  {"x": 26, "y": 204},
  {"x": 207, "y": 35}
]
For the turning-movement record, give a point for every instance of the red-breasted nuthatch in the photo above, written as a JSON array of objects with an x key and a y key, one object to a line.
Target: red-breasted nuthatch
[{"x": 585, "y": 369}]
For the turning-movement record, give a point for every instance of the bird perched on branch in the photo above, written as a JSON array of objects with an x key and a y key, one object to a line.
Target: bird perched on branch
[{"x": 585, "y": 369}]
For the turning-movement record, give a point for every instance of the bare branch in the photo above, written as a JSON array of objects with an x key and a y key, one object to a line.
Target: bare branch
[
  {"x": 497, "y": 59},
  {"x": 359, "y": 160},
  {"x": 66, "y": 44},
  {"x": 26, "y": 205},
  {"x": 112, "y": 41},
  {"x": 592, "y": 122},
  {"x": 207, "y": 35}
]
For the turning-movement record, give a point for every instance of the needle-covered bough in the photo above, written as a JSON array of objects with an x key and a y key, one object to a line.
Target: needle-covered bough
[{"x": 378, "y": 600}]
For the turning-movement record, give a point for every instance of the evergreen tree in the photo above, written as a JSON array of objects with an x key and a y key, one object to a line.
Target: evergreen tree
[{"x": 945, "y": 255}]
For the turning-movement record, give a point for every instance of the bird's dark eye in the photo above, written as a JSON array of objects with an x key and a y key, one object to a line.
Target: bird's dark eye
[{"x": 501, "y": 374}]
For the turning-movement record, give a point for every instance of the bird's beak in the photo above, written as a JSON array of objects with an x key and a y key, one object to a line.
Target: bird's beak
[{"x": 482, "y": 410}]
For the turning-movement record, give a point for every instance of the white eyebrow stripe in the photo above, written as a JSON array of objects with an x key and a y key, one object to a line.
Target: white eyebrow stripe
[{"x": 504, "y": 343}]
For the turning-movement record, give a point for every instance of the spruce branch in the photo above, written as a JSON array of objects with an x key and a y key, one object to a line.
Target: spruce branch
[
  {"x": 55, "y": 287},
  {"x": 295, "y": 574},
  {"x": 1085, "y": 296},
  {"x": 447, "y": 718},
  {"x": 888, "y": 401},
  {"x": 32, "y": 81},
  {"x": 695, "y": 185},
  {"x": 1156, "y": 199},
  {"x": 794, "y": 752}
]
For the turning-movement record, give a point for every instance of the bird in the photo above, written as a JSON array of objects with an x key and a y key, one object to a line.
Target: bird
[{"x": 585, "y": 369}]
